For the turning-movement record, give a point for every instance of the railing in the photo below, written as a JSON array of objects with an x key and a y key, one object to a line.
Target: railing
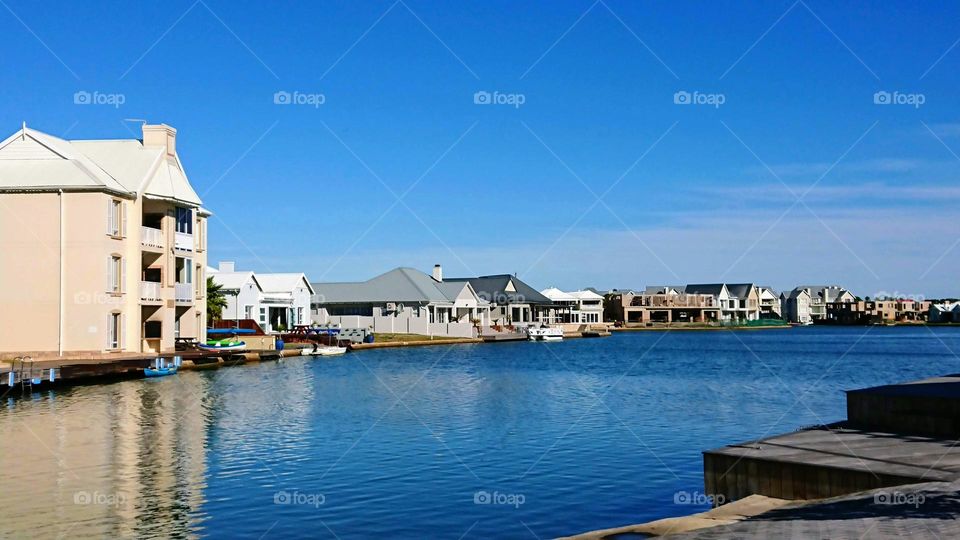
[
  {"x": 183, "y": 241},
  {"x": 183, "y": 292},
  {"x": 674, "y": 301},
  {"x": 150, "y": 291},
  {"x": 151, "y": 237}
]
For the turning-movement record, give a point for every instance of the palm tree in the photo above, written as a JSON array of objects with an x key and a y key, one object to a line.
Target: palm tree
[{"x": 216, "y": 300}]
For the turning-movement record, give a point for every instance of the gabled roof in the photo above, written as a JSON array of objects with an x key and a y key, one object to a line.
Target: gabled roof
[
  {"x": 586, "y": 295},
  {"x": 283, "y": 283},
  {"x": 235, "y": 280},
  {"x": 829, "y": 293},
  {"x": 705, "y": 288},
  {"x": 397, "y": 285},
  {"x": 504, "y": 289},
  {"x": 31, "y": 160},
  {"x": 740, "y": 290},
  {"x": 557, "y": 295}
]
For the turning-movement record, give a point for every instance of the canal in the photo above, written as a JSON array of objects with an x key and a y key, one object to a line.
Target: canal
[{"x": 464, "y": 441}]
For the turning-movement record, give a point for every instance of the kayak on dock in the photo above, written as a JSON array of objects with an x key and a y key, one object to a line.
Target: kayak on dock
[{"x": 225, "y": 344}]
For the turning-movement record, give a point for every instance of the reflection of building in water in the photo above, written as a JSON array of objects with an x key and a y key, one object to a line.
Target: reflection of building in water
[{"x": 124, "y": 459}]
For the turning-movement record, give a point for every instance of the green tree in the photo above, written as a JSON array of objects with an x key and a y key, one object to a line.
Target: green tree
[{"x": 216, "y": 300}]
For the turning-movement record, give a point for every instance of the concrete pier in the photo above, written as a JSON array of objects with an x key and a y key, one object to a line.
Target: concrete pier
[{"x": 896, "y": 434}]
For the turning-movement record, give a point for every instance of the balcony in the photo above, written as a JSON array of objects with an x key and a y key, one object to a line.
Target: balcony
[
  {"x": 183, "y": 292},
  {"x": 150, "y": 237},
  {"x": 183, "y": 241},
  {"x": 151, "y": 291}
]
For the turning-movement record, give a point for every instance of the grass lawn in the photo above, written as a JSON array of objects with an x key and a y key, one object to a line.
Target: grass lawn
[{"x": 388, "y": 338}]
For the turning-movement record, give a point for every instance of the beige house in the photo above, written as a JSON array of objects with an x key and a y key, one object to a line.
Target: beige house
[{"x": 102, "y": 243}]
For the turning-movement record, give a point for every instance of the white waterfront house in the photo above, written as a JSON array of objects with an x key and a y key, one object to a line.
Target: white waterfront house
[
  {"x": 277, "y": 302},
  {"x": 808, "y": 303},
  {"x": 405, "y": 301},
  {"x": 583, "y": 307}
]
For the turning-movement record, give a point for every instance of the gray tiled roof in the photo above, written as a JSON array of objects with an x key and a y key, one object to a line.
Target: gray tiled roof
[
  {"x": 397, "y": 285},
  {"x": 493, "y": 289}
]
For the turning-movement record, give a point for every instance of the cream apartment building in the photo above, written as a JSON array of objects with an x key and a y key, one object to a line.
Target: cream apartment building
[{"x": 102, "y": 245}]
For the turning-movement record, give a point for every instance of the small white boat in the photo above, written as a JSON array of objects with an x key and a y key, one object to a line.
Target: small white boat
[
  {"x": 324, "y": 351},
  {"x": 545, "y": 333}
]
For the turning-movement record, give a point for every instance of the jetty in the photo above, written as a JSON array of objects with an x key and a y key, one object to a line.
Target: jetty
[{"x": 894, "y": 435}]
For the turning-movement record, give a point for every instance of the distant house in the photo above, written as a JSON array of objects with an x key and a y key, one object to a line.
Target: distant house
[
  {"x": 575, "y": 308},
  {"x": 737, "y": 301},
  {"x": 944, "y": 313},
  {"x": 403, "y": 300},
  {"x": 663, "y": 304},
  {"x": 512, "y": 302},
  {"x": 808, "y": 303},
  {"x": 769, "y": 303},
  {"x": 277, "y": 302}
]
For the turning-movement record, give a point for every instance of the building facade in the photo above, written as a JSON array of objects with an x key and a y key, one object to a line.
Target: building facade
[
  {"x": 573, "y": 308},
  {"x": 405, "y": 301},
  {"x": 104, "y": 243},
  {"x": 277, "y": 302}
]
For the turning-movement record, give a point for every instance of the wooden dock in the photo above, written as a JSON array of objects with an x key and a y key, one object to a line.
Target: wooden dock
[{"x": 885, "y": 442}]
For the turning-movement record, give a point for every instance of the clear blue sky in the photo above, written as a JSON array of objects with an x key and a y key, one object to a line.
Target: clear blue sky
[{"x": 498, "y": 188}]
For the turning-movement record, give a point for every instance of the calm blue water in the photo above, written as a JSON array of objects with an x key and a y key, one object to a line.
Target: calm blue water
[{"x": 562, "y": 437}]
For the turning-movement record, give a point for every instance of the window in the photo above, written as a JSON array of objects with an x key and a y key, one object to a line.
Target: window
[
  {"x": 184, "y": 220},
  {"x": 114, "y": 328},
  {"x": 299, "y": 316},
  {"x": 116, "y": 220},
  {"x": 263, "y": 317},
  {"x": 116, "y": 270},
  {"x": 200, "y": 283}
]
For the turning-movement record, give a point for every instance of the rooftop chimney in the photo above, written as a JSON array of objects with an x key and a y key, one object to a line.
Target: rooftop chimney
[
  {"x": 160, "y": 135},
  {"x": 227, "y": 266},
  {"x": 438, "y": 272}
]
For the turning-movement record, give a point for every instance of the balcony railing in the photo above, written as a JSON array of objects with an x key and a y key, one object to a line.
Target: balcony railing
[
  {"x": 183, "y": 241},
  {"x": 151, "y": 237},
  {"x": 150, "y": 291},
  {"x": 183, "y": 292}
]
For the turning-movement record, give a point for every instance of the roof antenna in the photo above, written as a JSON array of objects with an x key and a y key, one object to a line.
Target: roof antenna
[{"x": 23, "y": 132}]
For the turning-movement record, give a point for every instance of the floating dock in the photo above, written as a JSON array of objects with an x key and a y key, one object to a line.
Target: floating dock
[{"x": 895, "y": 435}]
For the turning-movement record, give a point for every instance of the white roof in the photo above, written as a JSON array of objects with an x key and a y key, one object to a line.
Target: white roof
[
  {"x": 234, "y": 280},
  {"x": 280, "y": 283},
  {"x": 557, "y": 295},
  {"x": 33, "y": 160}
]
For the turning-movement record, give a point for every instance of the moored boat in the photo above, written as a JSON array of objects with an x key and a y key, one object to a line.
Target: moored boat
[
  {"x": 545, "y": 333},
  {"x": 160, "y": 371}
]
